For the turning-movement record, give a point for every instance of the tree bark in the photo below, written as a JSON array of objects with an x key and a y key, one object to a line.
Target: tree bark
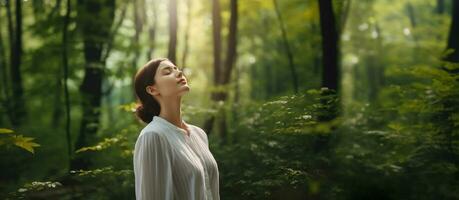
[
  {"x": 222, "y": 76},
  {"x": 172, "y": 30},
  {"x": 4, "y": 72},
  {"x": 216, "y": 33},
  {"x": 440, "y": 6},
  {"x": 330, "y": 72},
  {"x": 65, "y": 66},
  {"x": 229, "y": 63},
  {"x": 187, "y": 35},
  {"x": 95, "y": 20},
  {"x": 139, "y": 18},
  {"x": 18, "y": 105},
  {"x": 453, "y": 39},
  {"x": 329, "y": 45},
  {"x": 152, "y": 24}
]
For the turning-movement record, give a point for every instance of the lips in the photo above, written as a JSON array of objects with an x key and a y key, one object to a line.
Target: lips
[{"x": 182, "y": 80}]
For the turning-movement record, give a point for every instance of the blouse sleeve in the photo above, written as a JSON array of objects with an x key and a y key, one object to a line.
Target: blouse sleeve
[{"x": 152, "y": 168}]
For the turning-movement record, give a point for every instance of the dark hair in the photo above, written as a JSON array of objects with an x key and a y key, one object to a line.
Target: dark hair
[{"x": 147, "y": 106}]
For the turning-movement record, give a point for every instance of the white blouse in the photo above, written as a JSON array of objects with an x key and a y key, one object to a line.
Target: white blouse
[{"x": 168, "y": 164}]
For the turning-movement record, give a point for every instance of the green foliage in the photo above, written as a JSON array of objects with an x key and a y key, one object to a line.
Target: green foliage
[
  {"x": 107, "y": 142},
  {"x": 409, "y": 134},
  {"x": 397, "y": 139},
  {"x": 34, "y": 188},
  {"x": 278, "y": 149},
  {"x": 9, "y": 137},
  {"x": 426, "y": 123}
]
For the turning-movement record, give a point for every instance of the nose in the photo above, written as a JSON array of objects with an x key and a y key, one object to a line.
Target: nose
[{"x": 180, "y": 73}]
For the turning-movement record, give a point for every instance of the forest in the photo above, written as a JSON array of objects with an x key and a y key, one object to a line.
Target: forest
[{"x": 300, "y": 99}]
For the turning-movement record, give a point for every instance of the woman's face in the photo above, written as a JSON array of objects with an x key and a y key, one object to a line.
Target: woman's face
[{"x": 170, "y": 81}]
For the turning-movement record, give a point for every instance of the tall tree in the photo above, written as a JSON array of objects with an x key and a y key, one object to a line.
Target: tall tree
[
  {"x": 447, "y": 139},
  {"x": 329, "y": 34},
  {"x": 216, "y": 37},
  {"x": 65, "y": 66},
  {"x": 152, "y": 24},
  {"x": 288, "y": 51},
  {"x": 95, "y": 18},
  {"x": 57, "y": 110},
  {"x": 453, "y": 39},
  {"x": 18, "y": 112},
  {"x": 139, "y": 18},
  {"x": 222, "y": 75},
  {"x": 440, "y": 6},
  {"x": 231, "y": 54},
  {"x": 3, "y": 71},
  {"x": 330, "y": 72},
  {"x": 172, "y": 49},
  {"x": 187, "y": 34}
]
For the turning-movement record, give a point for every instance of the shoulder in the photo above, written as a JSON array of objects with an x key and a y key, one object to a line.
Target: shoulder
[
  {"x": 200, "y": 132},
  {"x": 198, "y": 129},
  {"x": 151, "y": 134}
]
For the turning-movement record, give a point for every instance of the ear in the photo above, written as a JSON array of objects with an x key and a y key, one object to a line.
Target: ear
[{"x": 151, "y": 89}]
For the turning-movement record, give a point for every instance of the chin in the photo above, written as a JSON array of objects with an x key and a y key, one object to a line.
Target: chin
[{"x": 184, "y": 91}]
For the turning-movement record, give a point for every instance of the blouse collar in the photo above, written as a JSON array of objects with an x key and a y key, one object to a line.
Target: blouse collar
[{"x": 169, "y": 124}]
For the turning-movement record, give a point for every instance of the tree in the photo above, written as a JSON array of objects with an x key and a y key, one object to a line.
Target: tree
[
  {"x": 187, "y": 34},
  {"x": 453, "y": 40},
  {"x": 330, "y": 72},
  {"x": 152, "y": 25},
  {"x": 18, "y": 111},
  {"x": 172, "y": 30},
  {"x": 65, "y": 66},
  {"x": 3, "y": 70},
  {"x": 216, "y": 36},
  {"x": 440, "y": 6},
  {"x": 139, "y": 18},
  {"x": 329, "y": 34},
  {"x": 222, "y": 75},
  {"x": 95, "y": 18}
]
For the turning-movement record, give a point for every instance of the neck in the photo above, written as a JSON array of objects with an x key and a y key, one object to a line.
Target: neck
[{"x": 171, "y": 111}]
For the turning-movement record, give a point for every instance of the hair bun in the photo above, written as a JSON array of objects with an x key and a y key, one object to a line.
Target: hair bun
[{"x": 144, "y": 114}]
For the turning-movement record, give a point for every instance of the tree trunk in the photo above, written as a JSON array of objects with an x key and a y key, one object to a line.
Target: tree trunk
[
  {"x": 172, "y": 30},
  {"x": 216, "y": 33},
  {"x": 287, "y": 47},
  {"x": 91, "y": 14},
  {"x": 229, "y": 63},
  {"x": 152, "y": 24},
  {"x": 187, "y": 34},
  {"x": 440, "y": 6},
  {"x": 18, "y": 105},
  {"x": 138, "y": 26},
  {"x": 330, "y": 72},
  {"x": 453, "y": 39},
  {"x": 447, "y": 133},
  {"x": 65, "y": 66},
  {"x": 222, "y": 76},
  {"x": 4, "y": 77},
  {"x": 329, "y": 34}
]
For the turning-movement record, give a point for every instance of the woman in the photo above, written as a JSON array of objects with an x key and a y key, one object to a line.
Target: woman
[{"x": 171, "y": 157}]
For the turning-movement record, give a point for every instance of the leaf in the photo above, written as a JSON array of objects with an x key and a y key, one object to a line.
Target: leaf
[
  {"x": 130, "y": 107},
  {"x": 25, "y": 143},
  {"x": 107, "y": 142},
  {"x": 395, "y": 126},
  {"x": 5, "y": 131}
]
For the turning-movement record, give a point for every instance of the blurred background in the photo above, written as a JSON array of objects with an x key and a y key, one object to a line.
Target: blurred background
[{"x": 301, "y": 99}]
